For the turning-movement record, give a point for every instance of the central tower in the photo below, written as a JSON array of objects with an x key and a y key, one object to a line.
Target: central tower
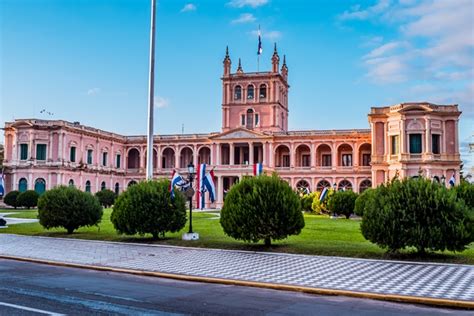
[{"x": 255, "y": 100}]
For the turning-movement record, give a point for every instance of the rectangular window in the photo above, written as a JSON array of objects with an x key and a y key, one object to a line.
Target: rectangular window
[
  {"x": 104, "y": 159},
  {"x": 242, "y": 120},
  {"x": 435, "y": 148},
  {"x": 326, "y": 161},
  {"x": 89, "y": 156},
  {"x": 415, "y": 144},
  {"x": 256, "y": 120},
  {"x": 286, "y": 160},
  {"x": 365, "y": 159},
  {"x": 347, "y": 160},
  {"x": 395, "y": 145},
  {"x": 306, "y": 161},
  {"x": 23, "y": 151},
  {"x": 72, "y": 154},
  {"x": 41, "y": 152},
  {"x": 117, "y": 161}
]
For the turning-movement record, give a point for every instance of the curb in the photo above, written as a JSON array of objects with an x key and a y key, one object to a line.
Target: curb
[{"x": 274, "y": 286}]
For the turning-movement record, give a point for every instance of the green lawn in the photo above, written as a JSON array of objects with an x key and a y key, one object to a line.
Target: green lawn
[{"x": 321, "y": 236}]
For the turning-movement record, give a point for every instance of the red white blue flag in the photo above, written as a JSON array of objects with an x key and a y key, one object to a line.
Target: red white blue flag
[{"x": 257, "y": 169}]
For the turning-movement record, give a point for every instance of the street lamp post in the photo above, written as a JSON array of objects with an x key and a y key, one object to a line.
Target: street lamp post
[{"x": 190, "y": 235}]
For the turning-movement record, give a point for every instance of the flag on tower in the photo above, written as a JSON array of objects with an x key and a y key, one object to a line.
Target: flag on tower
[
  {"x": 260, "y": 49},
  {"x": 257, "y": 169}
]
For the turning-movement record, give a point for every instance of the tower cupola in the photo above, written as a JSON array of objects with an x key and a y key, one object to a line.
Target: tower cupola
[{"x": 284, "y": 68}]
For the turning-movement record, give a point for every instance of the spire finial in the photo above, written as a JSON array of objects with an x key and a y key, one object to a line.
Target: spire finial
[
  {"x": 227, "y": 51},
  {"x": 284, "y": 60},
  {"x": 239, "y": 67},
  {"x": 275, "y": 49}
]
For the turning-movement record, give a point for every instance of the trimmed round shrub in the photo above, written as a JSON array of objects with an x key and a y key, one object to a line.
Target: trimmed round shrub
[
  {"x": 465, "y": 192},
  {"x": 3, "y": 222},
  {"x": 361, "y": 201},
  {"x": 307, "y": 201},
  {"x": 106, "y": 197},
  {"x": 261, "y": 208},
  {"x": 417, "y": 213},
  {"x": 147, "y": 208},
  {"x": 27, "y": 199},
  {"x": 68, "y": 207},
  {"x": 11, "y": 198},
  {"x": 343, "y": 203},
  {"x": 322, "y": 207}
]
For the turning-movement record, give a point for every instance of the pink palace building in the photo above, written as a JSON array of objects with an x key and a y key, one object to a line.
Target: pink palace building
[{"x": 408, "y": 138}]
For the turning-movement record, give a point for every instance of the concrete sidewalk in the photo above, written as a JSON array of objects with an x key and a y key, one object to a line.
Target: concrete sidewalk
[{"x": 430, "y": 283}]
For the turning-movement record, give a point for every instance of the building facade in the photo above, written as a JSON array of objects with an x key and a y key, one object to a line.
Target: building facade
[{"x": 410, "y": 139}]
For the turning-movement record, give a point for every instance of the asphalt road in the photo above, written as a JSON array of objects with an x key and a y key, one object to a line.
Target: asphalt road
[{"x": 36, "y": 289}]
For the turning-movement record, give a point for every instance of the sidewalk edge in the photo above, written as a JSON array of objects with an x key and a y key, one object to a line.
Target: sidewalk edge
[{"x": 274, "y": 286}]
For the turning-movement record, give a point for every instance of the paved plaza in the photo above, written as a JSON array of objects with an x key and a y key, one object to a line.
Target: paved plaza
[{"x": 424, "y": 280}]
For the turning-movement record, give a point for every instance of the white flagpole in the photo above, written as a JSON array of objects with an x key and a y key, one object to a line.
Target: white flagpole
[{"x": 151, "y": 87}]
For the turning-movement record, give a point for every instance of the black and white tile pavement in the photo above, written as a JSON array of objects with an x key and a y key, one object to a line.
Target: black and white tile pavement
[{"x": 432, "y": 280}]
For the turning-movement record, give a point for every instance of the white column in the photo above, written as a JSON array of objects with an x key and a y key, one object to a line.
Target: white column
[
  {"x": 313, "y": 156},
  {"x": 427, "y": 135},
  {"x": 231, "y": 153},
  {"x": 251, "y": 158}
]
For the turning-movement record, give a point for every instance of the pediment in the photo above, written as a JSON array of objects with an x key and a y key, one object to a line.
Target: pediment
[
  {"x": 22, "y": 124},
  {"x": 240, "y": 133}
]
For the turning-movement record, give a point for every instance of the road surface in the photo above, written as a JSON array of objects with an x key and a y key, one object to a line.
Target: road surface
[{"x": 37, "y": 289}]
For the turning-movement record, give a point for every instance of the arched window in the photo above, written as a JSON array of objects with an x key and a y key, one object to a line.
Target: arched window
[
  {"x": 40, "y": 186},
  {"x": 250, "y": 92},
  {"x": 364, "y": 185},
  {"x": 133, "y": 182},
  {"x": 103, "y": 186},
  {"x": 249, "y": 119},
  {"x": 303, "y": 187},
  {"x": 237, "y": 93},
  {"x": 22, "y": 185},
  {"x": 117, "y": 188},
  {"x": 88, "y": 186},
  {"x": 344, "y": 185},
  {"x": 323, "y": 184},
  {"x": 71, "y": 182},
  {"x": 263, "y": 91}
]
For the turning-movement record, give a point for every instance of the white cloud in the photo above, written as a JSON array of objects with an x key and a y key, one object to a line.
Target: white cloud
[
  {"x": 431, "y": 49},
  {"x": 189, "y": 7},
  {"x": 355, "y": 13},
  {"x": 245, "y": 3},
  {"x": 270, "y": 35},
  {"x": 161, "y": 102},
  {"x": 244, "y": 18},
  {"x": 93, "y": 91}
]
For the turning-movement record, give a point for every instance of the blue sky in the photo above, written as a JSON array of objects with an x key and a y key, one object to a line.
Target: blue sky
[{"x": 87, "y": 60}]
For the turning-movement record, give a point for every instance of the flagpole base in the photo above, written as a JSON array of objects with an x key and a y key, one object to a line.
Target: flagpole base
[{"x": 190, "y": 236}]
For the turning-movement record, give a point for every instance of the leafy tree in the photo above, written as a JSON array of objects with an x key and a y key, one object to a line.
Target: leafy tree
[
  {"x": 68, "y": 207},
  {"x": 28, "y": 199},
  {"x": 11, "y": 198},
  {"x": 343, "y": 202},
  {"x": 361, "y": 202},
  {"x": 106, "y": 197},
  {"x": 261, "y": 208},
  {"x": 147, "y": 208},
  {"x": 417, "y": 213},
  {"x": 307, "y": 201}
]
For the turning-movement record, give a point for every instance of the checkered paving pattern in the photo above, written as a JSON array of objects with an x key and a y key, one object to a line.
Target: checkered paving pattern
[{"x": 445, "y": 281}]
